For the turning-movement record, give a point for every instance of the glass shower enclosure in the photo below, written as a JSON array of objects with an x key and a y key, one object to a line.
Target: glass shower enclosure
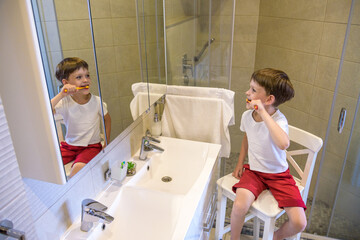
[{"x": 199, "y": 41}]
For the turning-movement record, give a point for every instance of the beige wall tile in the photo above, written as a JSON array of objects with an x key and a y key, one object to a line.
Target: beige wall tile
[
  {"x": 240, "y": 79},
  {"x": 75, "y": 34},
  {"x": 103, "y": 33},
  {"x": 337, "y": 11},
  {"x": 100, "y": 9},
  {"x": 127, "y": 57},
  {"x": 310, "y": 10},
  {"x": 294, "y": 34},
  {"x": 109, "y": 85},
  {"x": 333, "y": 39},
  {"x": 124, "y": 31},
  {"x": 106, "y": 59},
  {"x": 353, "y": 46},
  {"x": 243, "y": 54},
  {"x": 122, "y": 8},
  {"x": 326, "y": 74},
  {"x": 321, "y": 103},
  {"x": 303, "y": 95},
  {"x": 299, "y": 66},
  {"x": 247, "y": 7},
  {"x": 246, "y": 28},
  {"x": 356, "y": 13},
  {"x": 337, "y": 142},
  {"x": 317, "y": 126},
  {"x": 221, "y": 28},
  {"x": 295, "y": 117},
  {"x": 349, "y": 79},
  {"x": 71, "y": 10}
]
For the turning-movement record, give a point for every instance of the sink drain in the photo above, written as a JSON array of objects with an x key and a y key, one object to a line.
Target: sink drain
[{"x": 166, "y": 179}]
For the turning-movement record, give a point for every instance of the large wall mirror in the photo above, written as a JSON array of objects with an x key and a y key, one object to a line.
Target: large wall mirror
[{"x": 121, "y": 40}]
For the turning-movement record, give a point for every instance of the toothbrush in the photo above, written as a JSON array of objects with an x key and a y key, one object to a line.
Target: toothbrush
[
  {"x": 255, "y": 106},
  {"x": 65, "y": 90}
]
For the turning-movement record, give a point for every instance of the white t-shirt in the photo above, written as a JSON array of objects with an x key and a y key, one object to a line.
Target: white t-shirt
[
  {"x": 82, "y": 120},
  {"x": 264, "y": 155}
]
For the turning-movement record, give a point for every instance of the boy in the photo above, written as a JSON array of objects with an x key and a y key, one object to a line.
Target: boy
[
  {"x": 265, "y": 140},
  {"x": 81, "y": 112}
]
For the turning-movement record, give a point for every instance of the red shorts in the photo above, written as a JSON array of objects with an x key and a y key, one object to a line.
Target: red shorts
[
  {"x": 281, "y": 185},
  {"x": 78, "y": 153}
]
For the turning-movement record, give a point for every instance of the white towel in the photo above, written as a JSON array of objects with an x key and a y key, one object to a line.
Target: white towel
[
  {"x": 140, "y": 103},
  {"x": 199, "y": 119},
  {"x": 220, "y": 93},
  {"x": 143, "y": 87}
]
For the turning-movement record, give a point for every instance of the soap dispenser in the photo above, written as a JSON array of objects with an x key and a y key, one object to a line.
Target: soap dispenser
[{"x": 156, "y": 126}]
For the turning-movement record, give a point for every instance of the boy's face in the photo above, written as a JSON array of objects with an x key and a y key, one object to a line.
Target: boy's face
[
  {"x": 256, "y": 92},
  {"x": 79, "y": 78}
]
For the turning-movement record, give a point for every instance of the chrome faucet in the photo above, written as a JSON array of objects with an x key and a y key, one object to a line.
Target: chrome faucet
[
  {"x": 93, "y": 211},
  {"x": 147, "y": 147}
]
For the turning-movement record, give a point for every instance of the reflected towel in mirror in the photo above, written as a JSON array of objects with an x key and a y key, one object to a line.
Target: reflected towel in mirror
[{"x": 140, "y": 103}]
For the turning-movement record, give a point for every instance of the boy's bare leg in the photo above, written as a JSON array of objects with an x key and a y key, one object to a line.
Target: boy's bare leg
[
  {"x": 244, "y": 199},
  {"x": 297, "y": 223},
  {"x": 75, "y": 168}
]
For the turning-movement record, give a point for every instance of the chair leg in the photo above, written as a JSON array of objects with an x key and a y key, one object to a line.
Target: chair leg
[
  {"x": 256, "y": 228},
  {"x": 269, "y": 228},
  {"x": 220, "y": 215}
]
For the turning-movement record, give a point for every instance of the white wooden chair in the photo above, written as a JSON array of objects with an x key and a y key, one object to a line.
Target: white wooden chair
[{"x": 266, "y": 207}]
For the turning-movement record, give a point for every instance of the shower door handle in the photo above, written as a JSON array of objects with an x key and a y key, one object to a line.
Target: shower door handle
[{"x": 342, "y": 118}]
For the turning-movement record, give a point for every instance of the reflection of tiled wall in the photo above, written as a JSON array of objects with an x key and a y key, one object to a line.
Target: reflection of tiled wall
[
  {"x": 116, "y": 40},
  {"x": 305, "y": 40}
]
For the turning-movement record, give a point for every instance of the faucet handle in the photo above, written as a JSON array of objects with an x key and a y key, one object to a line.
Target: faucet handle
[
  {"x": 148, "y": 138},
  {"x": 89, "y": 203}
]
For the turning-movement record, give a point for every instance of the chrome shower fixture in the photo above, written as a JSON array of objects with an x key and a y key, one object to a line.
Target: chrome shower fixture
[{"x": 197, "y": 57}]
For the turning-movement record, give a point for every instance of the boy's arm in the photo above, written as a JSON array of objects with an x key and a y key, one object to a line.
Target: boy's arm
[
  {"x": 278, "y": 135},
  {"x": 107, "y": 120},
  {"x": 239, "y": 166},
  {"x": 55, "y": 100}
]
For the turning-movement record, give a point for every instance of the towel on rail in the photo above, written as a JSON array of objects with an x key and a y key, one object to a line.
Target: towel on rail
[
  {"x": 153, "y": 88},
  {"x": 199, "y": 119},
  {"x": 220, "y": 93},
  {"x": 191, "y": 91},
  {"x": 140, "y": 103}
]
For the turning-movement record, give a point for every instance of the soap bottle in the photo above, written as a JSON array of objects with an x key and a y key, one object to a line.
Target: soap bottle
[{"x": 156, "y": 126}]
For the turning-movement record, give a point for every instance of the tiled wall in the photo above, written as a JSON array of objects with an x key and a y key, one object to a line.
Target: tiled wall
[{"x": 13, "y": 200}]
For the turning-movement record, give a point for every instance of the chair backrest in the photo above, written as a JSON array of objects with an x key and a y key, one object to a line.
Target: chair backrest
[{"x": 312, "y": 145}]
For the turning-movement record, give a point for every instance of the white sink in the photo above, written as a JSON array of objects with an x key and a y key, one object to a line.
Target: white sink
[{"x": 146, "y": 207}]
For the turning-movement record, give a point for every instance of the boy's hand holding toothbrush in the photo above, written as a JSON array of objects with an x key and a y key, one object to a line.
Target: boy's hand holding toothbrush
[
  {"x": 69, "y": 89},
  {"x": 254, "y": 104}
]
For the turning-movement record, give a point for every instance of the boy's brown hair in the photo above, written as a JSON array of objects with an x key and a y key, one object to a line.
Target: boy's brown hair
[
  {"x": 275, "y": 82},
  {"x": 68, "y": 66}
]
